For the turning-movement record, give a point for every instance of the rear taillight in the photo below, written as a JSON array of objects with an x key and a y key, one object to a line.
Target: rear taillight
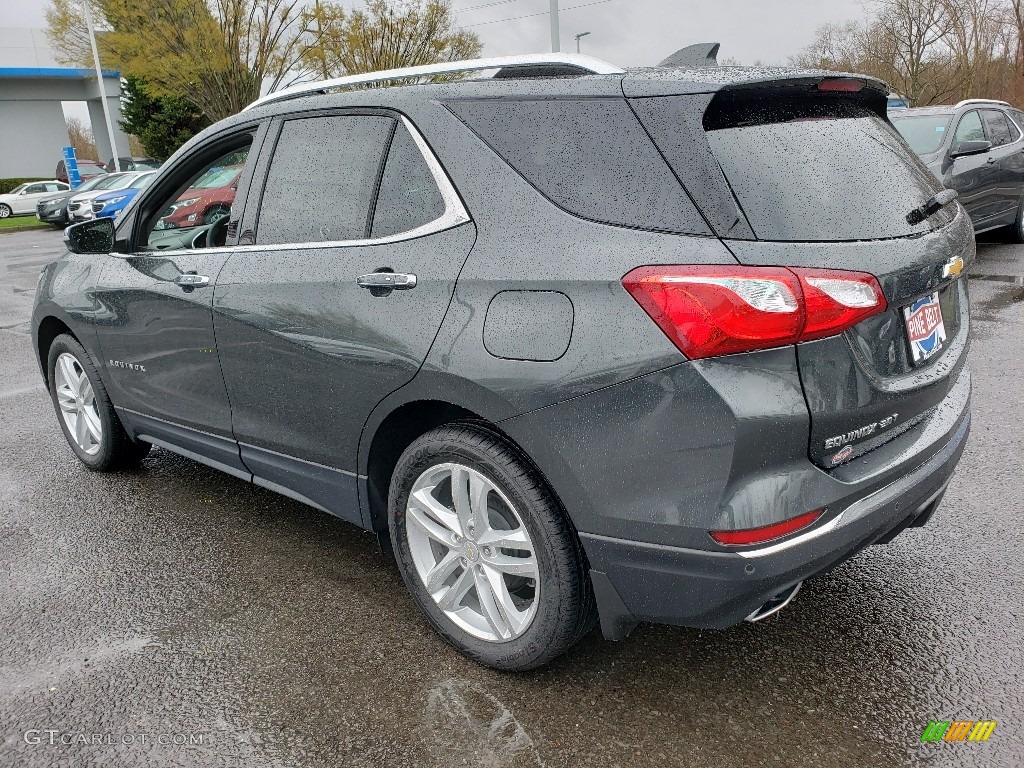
[
  {"x": 767, "y": 532},
  {"x": 718, "y": 310}
]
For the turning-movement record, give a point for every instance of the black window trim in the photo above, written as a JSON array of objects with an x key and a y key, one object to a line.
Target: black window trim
[
  {"x": 984, "y": 130},
  {"x": 454, "y": 214}
]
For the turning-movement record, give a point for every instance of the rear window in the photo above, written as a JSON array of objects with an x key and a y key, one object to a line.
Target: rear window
[
  {"x": 590, "y": 157},
  {"x": 924, "y": 134},
  {"x": 823, "y": 178}
]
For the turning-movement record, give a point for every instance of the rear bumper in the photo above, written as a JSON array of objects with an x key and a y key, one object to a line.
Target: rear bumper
[{"x": 637, "y": 581}]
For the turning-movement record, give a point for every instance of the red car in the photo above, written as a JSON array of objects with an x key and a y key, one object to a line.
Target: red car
[
  {"x": 206, "y": 201},
  {"x": 87, "y": 169}
]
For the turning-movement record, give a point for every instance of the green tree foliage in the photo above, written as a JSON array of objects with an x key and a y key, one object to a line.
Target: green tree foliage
[
  {"x": 163, "y": 123},
  {"x": 387, "y": 35}
]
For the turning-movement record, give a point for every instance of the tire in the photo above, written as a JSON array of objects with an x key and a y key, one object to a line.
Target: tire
[
  {"x": 102, "y": 445},
  {"x": 541, "y": 582},
  {"x": 5, "y": 210}
]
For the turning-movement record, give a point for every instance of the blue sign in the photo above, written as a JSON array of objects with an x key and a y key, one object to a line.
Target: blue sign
[{"x": 71, "y": 166}]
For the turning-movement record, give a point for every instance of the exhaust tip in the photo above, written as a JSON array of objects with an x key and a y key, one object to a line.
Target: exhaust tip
[{"x": 776, "y": 604}]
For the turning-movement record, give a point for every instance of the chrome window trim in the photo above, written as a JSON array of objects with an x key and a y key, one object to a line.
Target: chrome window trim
[{"x": 454, "y": 214}]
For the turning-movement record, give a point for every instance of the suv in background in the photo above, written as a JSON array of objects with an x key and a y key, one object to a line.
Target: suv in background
[
  {"x": 206, "y": 201},
  {"x": 977, "y": 148},
  {"x": 87, "y": 169},
  {"x": 133, "y": 164},
  {"x": 628, "y": 346}
]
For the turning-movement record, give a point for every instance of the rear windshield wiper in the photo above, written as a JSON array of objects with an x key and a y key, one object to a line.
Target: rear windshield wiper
[{"x": 931, "y": 206}]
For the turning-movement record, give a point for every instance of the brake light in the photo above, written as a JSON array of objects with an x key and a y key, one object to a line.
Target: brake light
[
  {"x": 841, "y": 85},
  {"x": 765, "y": 533},
  {"x": 717, "y": 310}
]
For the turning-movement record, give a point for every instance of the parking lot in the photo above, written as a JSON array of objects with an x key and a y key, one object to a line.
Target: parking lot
[{"x": 186, "y": 618}]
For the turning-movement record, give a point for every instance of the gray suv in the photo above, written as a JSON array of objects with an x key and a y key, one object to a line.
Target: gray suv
[
  {"x": 577, "y": 344},
  {"x": 976, "y": 148}
]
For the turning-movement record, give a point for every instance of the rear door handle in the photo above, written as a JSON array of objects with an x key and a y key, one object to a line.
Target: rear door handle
[
  {"x": 990, "y": 160},
  {"x": 398, "y": 281},
  {"x": 192, "y": 280}
]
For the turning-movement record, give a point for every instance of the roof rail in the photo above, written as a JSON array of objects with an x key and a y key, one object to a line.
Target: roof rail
[
  {"x": 586, "y": 65},
  {"x": 965, "y": 102}
]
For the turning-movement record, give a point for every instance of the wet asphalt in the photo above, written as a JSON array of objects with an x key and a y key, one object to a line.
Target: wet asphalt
[{"x": 175, "y": 616}]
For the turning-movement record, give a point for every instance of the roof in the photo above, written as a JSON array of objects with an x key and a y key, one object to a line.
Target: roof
[
  {"x": 78, "y": 73},
  {"x": 945, "y": 109}
]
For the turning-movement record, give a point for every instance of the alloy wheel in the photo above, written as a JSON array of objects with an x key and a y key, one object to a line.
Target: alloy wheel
[
  {"x": 77, "y": 402},
  {"x": 472, "y": 552},
  {"x": 5, "y": 211}
]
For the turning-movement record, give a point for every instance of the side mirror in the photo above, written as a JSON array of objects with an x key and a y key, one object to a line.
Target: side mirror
[
  {"x": 965, "y": 148},
  {"x": 96, "y": 236}
]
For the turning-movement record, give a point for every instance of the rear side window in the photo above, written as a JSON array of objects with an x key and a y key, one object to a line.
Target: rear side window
[
  {"x": 322, "y": 179},
  {"x": 997, "y": 127},
  {"x": 408, "y": 196},
  {"x": 591, "y": 157},
  {"x": 821, "y": 177}
]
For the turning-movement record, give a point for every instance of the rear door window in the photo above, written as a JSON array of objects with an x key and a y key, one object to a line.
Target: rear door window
[
  {"x": 996, "y": 127},
  {"x": 322, "y": 179},
  {"x": 822, "y": 178},
  {"x": 590, "y": 157}
]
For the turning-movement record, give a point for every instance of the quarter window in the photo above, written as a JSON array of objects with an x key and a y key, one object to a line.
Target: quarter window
[
  {"x": 322, "y": 179},
  {"x": 408, "y": 196},
  {"x": 591, "y": 157},
  {"x": 969, "y": 129}
]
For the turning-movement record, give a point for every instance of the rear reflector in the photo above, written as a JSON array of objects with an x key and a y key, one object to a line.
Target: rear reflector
[
  {"x": 841, "y": 84},
  {"x": 718, "y": 310},
  {"x": 765, "y": 533}
]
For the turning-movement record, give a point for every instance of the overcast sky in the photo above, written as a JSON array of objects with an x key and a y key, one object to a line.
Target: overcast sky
[{"x": 624, "y": 32}]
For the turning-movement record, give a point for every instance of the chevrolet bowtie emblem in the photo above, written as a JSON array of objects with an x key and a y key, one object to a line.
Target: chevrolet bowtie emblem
[{"x": 953, "y": 267}]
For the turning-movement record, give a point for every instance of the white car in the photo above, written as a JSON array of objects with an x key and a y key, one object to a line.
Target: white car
[{"x": 23, "y": 198}]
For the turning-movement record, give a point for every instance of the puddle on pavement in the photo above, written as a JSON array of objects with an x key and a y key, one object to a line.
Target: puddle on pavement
[{"x": 472, "y": 727}]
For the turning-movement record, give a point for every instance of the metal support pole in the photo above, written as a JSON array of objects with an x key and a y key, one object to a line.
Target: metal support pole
[
  {"x": 556, "y": 41},
  {"x": 100, "y": 86}
]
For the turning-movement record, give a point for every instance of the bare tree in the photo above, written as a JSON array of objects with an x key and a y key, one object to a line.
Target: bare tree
[{"x": 80, "y": 137}]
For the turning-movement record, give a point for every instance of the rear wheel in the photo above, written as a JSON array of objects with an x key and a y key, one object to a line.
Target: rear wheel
[
  {"x": 486, "y": 551},
  {"x": 84, "y": 411},
  {"x": 5, "y": 210}
]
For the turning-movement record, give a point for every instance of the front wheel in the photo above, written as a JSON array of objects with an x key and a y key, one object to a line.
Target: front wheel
[
  {"x": 486, "y": 551},
  {"x": 84, "y": 411},
  {"x": 5, "y": 210}
]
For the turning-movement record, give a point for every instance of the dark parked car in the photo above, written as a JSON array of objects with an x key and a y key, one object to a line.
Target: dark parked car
[
  {"x": 629, "y": 346},
  {"x": 133, "y": 164},
  {"x": 976, "y": 148},
  {"x": 87, "y": 169},
  {"x": 53, "y": 209}
]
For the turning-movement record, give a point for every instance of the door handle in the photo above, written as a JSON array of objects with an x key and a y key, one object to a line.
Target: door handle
[
  {"x": 397, "y": 281},
  {"x": 192, "y": 280},
  {"x": 990, "y": 160}
]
